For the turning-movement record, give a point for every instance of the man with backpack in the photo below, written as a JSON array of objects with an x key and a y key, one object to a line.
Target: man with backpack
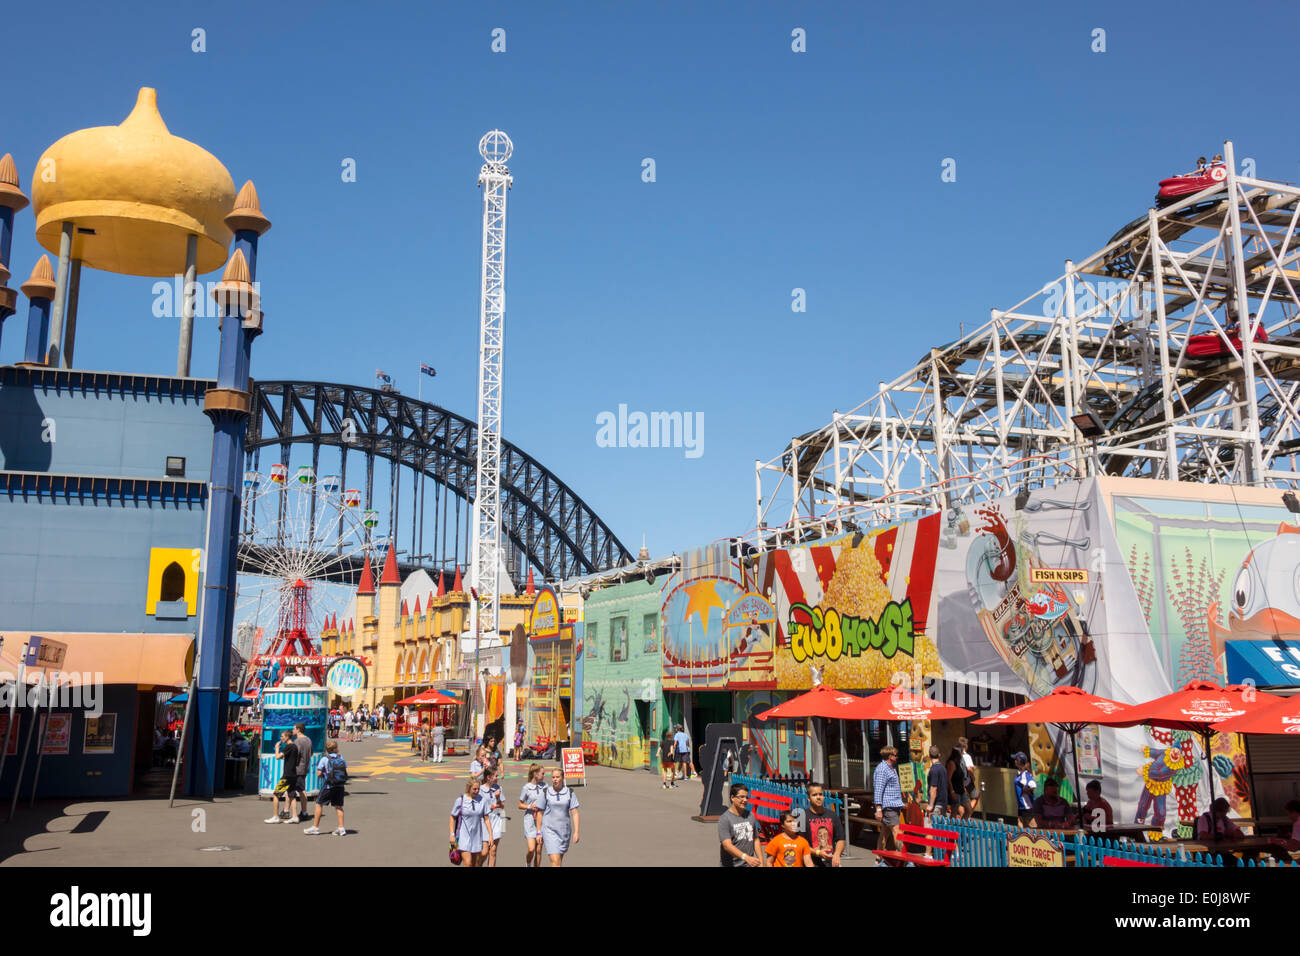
[{"x": 333, "y": 773}]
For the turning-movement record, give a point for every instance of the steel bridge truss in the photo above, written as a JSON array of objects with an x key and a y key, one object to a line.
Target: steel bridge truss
[
  {"x": 550, "y": 526},
  {"x": 1117, "y": 335}
]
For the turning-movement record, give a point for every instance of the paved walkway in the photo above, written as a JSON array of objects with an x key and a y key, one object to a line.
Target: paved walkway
[{"x": 396, "y": 814}]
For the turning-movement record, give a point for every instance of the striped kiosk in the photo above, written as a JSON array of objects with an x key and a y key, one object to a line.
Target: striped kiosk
[{"x": 296, "y": 700}]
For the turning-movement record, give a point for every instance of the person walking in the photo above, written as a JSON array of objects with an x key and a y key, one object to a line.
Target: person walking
[
  {"x": 519, "y": 742},
  {"x": 1025, "y": 787},
  {"x": 559, "y": 806},
  {"x": 303, "y": 743},
  {"x": 479, "y": 763},
  {"x": 788, "y": 848},
  {"x": 740, "y": 841},
  {"x": 491, "y": 790},
  {"x": 972, "y": 781},
  {"x": 936, "y": 780},
  {"x": 667, "y": 767},
  {"x": 888, "y": 795},
  {"x": 682, "y": 745},
  {"x": 332, "y": 774},
  {"x": 422, "y": 736},
  {"x": 824, "y": 829},
  {"x": 957, "y": 798},
  {"x": 284, "y": 749},
  {"x": 438, "y": 739},
  {"x": 468, "y": 824},
  {"x": 529, "y": 797}
]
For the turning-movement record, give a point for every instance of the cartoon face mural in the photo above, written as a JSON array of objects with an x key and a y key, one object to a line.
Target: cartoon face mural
[{"x": 1265, "y": 595}]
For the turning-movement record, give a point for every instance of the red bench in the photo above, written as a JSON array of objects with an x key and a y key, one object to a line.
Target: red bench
[
  {"x": 767, "y": 808},
  {"x": 922, "y": 836},
  {"x": 1117, "y": 861},
  {"x": 590, "y": 752}
]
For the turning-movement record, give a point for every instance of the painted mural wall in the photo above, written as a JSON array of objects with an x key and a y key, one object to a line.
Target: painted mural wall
[{"x": 623, "y": 710}]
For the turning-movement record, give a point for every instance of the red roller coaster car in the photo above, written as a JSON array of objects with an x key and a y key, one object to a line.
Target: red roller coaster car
[
  {"x": 1176, "y": 187},
  {"x": 1211, "y": 344}
]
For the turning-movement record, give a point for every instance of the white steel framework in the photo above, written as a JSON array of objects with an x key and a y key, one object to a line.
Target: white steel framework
[
  {"x": 495, "y": 148},
  {"x": 1124, "y": 334}
]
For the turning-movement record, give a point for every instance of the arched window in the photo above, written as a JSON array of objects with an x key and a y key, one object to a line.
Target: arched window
[{"x": 173, "y": 583}]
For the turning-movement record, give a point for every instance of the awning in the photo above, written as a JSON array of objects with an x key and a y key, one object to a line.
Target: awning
[
  {"x": 143, "y": 660},
  {"x": 1266, "y": 663},
  {"x": 234, "y": 699}
]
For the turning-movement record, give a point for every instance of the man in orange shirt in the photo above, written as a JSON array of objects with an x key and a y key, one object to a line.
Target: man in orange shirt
[{"x": 788, "y": 848}]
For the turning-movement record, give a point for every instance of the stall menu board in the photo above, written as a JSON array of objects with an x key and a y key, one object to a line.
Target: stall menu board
[
  {"x": 575, "y": 771},
  {"x": 12, "y": 728},
  {"x": 56, "y": 738},
  {"x": 100, "y": 733},
  {"x": 1026, "y": 850},
  {"x": 906, "y": 778}
]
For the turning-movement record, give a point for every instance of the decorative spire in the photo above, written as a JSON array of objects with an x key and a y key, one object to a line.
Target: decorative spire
[
  {"x": 405, "y": 612},
  {"x": 41, "y": 284},
  {"x": 442, "y": 583},
  {"x": 390, "y": 569},
  {"x": 644, "y": 553},
  {"x": 11, "y": 196},
  {"x": 417, "y": 605},
  {"x": 367, "y": 585},
  {"x": 531, "y": 589},
  {"x": 247, "y": 213},
  {"x": 458, "y": 586}
]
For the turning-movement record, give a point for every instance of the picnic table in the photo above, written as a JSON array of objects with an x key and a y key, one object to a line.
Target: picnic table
[{"x": 1248, "y": 847}]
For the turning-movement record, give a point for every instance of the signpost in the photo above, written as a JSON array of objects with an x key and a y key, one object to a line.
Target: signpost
[
  {"x": 1026, "y": 850},
  {"x": 45, "y": 655},
  {"x": 575, "y": 771}
]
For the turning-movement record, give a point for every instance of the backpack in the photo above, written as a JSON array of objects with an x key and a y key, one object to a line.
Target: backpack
[{"x": 336, "y": 771}]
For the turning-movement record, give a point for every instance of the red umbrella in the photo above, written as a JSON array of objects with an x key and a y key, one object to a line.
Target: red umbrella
[
  {"x": 1280, "y": 718},
  {"x": 1197, "y": 708},
  {"x": 821, "y": 701},
  {"x": 897, "y": 703},
  {"x": 428, "y": 697},
  {"x": 1071, "y": 709}
]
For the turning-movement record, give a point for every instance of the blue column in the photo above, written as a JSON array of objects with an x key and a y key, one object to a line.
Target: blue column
[
  {"x": 229, "y": 423},
  {"x": 38, "y": 329},
  {"x": 6, "y": 234}
]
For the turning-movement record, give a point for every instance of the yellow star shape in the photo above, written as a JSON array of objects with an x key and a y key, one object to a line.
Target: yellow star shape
[{"x": 701, "y": 596}]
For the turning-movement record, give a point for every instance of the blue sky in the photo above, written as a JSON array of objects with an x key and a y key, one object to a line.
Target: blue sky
[{"x": 775, "y": 170}]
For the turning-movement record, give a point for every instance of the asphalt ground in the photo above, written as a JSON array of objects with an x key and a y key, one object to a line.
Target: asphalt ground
[{"x": 396, "y": 814}]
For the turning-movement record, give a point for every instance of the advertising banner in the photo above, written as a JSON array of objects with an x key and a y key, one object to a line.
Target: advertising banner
[{"x": 575, "y": 771}]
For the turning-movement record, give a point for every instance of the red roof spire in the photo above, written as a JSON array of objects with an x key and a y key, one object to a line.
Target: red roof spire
[
  {"x": 367, "y": 585},
  {"x": 417, "y": 605},
  {"x": 442, "y": 583},
  {"x": 390, "y": 569},
  {"x": 458, "y": 585},
  {"x": 405, "y": 613},
  {"x": 531, "y": 589}
]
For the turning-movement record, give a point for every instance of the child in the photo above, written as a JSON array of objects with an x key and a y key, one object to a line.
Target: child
[
  {"x": 333, "y": 774},
  {"x": 1025, "y": 787},
  {"x": 496, "y": 822},
  {"x": 788, "y": 848}
]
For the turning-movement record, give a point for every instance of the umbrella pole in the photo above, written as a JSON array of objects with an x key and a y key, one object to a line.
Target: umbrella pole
[
  {"x": 1209, "y": 767},
  {"x": 1074, "y": 756}
]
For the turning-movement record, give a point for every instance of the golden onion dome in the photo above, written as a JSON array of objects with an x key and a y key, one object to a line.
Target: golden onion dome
[{"x": 134, "y": 193}]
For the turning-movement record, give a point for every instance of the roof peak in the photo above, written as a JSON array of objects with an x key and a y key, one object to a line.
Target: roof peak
[
  {"x": 367, "y": 585},
  {"x": 390, "y": 575}
]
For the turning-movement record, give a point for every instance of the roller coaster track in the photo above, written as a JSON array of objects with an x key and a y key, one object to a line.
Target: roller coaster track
[
  {"x": 1122, "y": 334},
  {"x": 549, "y": 526}
]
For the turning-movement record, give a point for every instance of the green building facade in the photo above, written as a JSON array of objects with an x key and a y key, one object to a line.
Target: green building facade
[{"x": 623, "y": 708}]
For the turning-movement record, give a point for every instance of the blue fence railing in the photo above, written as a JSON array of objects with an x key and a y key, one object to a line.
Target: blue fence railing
[
  {"x": 984, "y": 843},
  {"x": 798, "y": 795}
]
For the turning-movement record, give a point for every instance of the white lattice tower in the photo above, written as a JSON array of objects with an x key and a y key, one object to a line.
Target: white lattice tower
[{"x": 495, "y": 148}]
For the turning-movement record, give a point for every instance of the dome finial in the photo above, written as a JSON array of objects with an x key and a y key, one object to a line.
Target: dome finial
[
  {"x": 247, "y": 214},
  {"x": 41, "y": 284},
  {"x": 145, "y": 115},
  {"x": 11, "y": 196}
]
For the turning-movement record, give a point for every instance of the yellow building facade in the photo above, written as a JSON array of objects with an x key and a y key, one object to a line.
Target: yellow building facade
[{"x": 411, "y": 646}]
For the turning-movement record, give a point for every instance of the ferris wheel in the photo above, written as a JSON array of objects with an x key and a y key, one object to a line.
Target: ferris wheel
[{"x": 301, "y": 540}]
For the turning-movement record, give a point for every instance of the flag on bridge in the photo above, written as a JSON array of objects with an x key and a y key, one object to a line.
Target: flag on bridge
[
  {"x": 428, "y": 370},
  {"x": 382, "y": 376}
]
